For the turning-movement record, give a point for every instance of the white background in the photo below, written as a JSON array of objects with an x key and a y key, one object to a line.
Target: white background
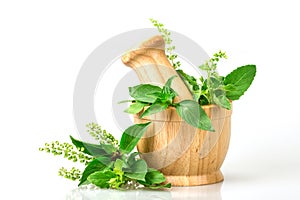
[{"x": 44, "y": 43}]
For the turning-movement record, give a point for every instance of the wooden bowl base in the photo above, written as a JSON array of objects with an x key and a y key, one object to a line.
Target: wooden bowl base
[{"x": 195, "y": 180}]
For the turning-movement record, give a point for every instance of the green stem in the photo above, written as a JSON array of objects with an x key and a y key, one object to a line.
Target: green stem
[{"x": 210, "y": 90}]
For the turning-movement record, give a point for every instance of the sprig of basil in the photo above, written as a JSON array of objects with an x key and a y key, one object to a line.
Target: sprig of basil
[
  {"x": 190, "y": 111},
  {"x": 115, "y": 167}
]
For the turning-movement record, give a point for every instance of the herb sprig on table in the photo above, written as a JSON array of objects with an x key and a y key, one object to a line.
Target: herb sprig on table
[{"x": 108, "y": 164}]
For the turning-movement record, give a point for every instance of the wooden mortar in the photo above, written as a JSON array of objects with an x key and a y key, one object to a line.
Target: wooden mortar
[{"x": 180, "y": 151}]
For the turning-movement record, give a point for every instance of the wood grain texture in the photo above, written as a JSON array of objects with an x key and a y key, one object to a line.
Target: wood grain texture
[
  {"x": 151, "y": 65},
  {"x": 174, "y": 147}
]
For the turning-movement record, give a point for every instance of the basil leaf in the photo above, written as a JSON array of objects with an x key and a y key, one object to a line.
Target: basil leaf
[
  {"x": 154, "y": 108},
  {"x": 125, "y": 101},
  {"x": 169, "y": 82},
  {"x": 137, "y": 170},
  {"x": 203, "y": 100},
  {"x": 168, "y": 185},
  {"x": 204, "y": 84},
  {"x": 90, "y": 149},
  {"x": 144, "y": 92},
  {"x": 191, "y": 81},
  {"x": 154, "y": 180},
  {"x": 215, "y": 82},
  {"x": 222, "y": 101},
  {"x": 132, "y": 158},
  {"x": 139, "y": 166},
  {"x": 168, "y": 94},
  {"x": 98, "y": 164},
  {"x": 118, "y": 165},
  {"x": 204, "y": 67},
  {"x": 108, "y": 148},
  {"x": 238, "y": 81},
  {"x": 101, "y": 178},
  {"x": 191, "y": 112},
  {"x": 166, "y": 98},
  {"x": 131, "y": 137},
  {"x": 135, "y": 107},
  {"x": 154, "y": 176},
  {"x": 135, "y": 176},
  {"x": 159, "y": 186}
]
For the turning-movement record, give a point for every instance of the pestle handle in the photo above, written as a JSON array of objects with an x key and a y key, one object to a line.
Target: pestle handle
[{"x": 151, "y": 65}]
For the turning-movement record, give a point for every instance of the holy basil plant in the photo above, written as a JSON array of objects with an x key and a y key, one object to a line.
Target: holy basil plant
[
  {"x": 217, "y": 89},
  {"x": 109, "y": 164},
  {"x": 214, "y": 89}
]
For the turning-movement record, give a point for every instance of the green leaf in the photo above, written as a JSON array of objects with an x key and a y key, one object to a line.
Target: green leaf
[
  {"x": 98, "y": 164},
  {"x": 118, "y": 165},
  {"x": 168, "y": 94},
  {"x": 191, "y": 112},
  {"x": 144, "y": 92},
  {"x": 215, "y": 82},
  {"x": 125, "y": 101},
  {"x": 101, "y": 178},
  {"x": 155, "y": 108},
  {"x": 204, "y": 84},
  {"x": 203, "y": 100},
  {"x": 205, "y": 67},
  {"x": 154, "y": 176},
  {"x": 118, "y": 170},
  {"x": 131, "y": 136},
  {"x": 166, "y": 98},
  {"x": 154, "y": 187},
  {"x": 191, "y": 80},
  {"x": 137, "y": 171},
  {"x": 135, "y": 107},
  {"x": 169, "y": 81},
  {"x": 222, "y": 101},
  {"x": 238, "y": 81},
  {"x": 108, "y": 148},
  {"x": 132, "y": 158},
  {"x": 139, "y": 166},
  {"x": 90, "y": 149},
  {"x": 154, "y": 180}
]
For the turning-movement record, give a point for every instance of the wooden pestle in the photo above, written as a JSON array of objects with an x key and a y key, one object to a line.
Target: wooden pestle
[{"x": 151, "y": 65}]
